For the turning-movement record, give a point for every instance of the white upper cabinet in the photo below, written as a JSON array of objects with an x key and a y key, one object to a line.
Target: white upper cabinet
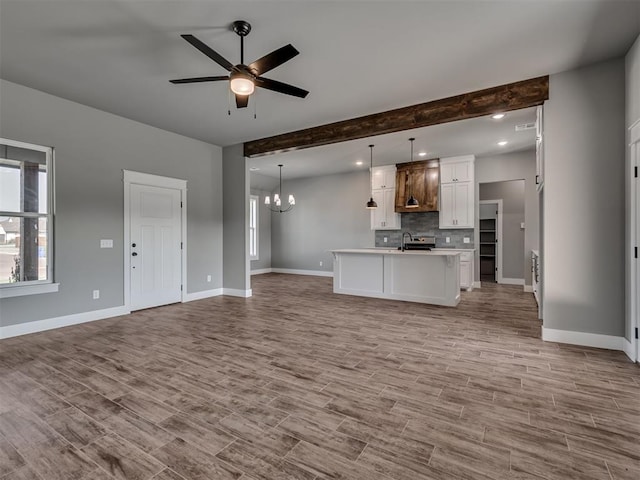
[
  {"x": 456, "y": 169},
  {"x": 383, "y": 177},
  {"x": 383, "y": 190},
  {"x": 457, "y": 192},
  {"x": 539, "y": 149}
]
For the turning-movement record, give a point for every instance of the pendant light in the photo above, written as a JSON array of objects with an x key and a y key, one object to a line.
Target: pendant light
[
  {"x": 277, "y": 199},
  {"x": 411, "y": 201},
  {"x": 371, "y": 204}
]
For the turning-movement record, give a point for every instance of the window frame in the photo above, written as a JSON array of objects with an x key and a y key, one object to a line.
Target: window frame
[
  {"x": 254, "y": 205},
  {"x": 48, "y": 285}
]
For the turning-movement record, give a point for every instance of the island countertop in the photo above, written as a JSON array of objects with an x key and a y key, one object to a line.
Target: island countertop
[{"x": 395, "y": 251}]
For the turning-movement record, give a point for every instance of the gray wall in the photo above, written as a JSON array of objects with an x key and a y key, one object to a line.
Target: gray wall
[
  {"x": 514, "y": 166},
  {"x": 512, "y": 195},
  {"x": 632, "y": 66},
  {"x": 235, "y": 215},
  {"x": 632, "y": 107},
  {"x": 583, "y": 263},
  {"x": 91, "y": 150},
  {"x": 330, "y": 213}
]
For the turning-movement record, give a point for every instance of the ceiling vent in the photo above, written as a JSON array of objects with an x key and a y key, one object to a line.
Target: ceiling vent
[{"x": 525, "y": 126}]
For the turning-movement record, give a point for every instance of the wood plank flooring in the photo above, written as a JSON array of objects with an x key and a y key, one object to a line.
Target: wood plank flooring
[{"x": 299, "y": 383}]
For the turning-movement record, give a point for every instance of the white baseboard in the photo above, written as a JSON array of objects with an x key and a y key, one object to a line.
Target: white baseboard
[
  {"x": 629, "y": 348},
  {"x": 584, "y": 339},
  {"x": 512, "y": 281},
  {"x": 260, "y": 271},
  {"x": 292, "y": 271},
  {"x": 235, "y": 292},
  {"x": 58, "y": 322},
  {"x": 190, "y": 297},
  {"x": 528, "y": 288}
]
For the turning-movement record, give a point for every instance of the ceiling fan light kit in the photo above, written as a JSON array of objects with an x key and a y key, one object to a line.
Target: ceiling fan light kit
[{"x": 244, "y": 78}]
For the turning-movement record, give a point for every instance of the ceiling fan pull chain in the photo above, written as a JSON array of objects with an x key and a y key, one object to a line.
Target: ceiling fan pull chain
[
  {"x": 229, "y": 102},
  {"x": 255, "y": 106}
]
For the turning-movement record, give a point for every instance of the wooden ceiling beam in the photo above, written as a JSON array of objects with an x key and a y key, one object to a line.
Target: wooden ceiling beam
[{"x": 512, "y": 96}]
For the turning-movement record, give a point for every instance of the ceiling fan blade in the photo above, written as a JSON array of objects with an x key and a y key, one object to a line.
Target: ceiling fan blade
[
  {"x": 242, "y": 101},
  {"x": 209, "y": 52},
  {"x": 200, "y": 79},
  {"x": 273, "y": 59},
  {"x": 280, "y": 87}
]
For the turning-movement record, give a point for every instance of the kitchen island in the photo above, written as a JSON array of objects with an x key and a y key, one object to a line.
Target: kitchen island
[{"x": 414, "y": 276}]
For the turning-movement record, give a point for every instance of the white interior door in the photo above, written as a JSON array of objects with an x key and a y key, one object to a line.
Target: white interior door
[{"x": 155, "y": 246}]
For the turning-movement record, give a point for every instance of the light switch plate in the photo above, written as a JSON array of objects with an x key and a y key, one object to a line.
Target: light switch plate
[
  {"x": 106, "y": 243},
  {"x": 447, "y": 240},
  {"x": 466, "y": 240}
]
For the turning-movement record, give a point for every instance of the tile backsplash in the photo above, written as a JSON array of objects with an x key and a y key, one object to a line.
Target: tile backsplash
[{"x": 425, "y": 224}]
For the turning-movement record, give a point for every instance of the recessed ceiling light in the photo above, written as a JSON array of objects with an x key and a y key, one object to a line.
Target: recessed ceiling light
[
  {"x": 502, "y": 143},
  {"x": 422, "y": 154},
  {"x": 497, "y": 116},
  {"x": 254, "y": 169},
  {"x": 359, "y": 162}
]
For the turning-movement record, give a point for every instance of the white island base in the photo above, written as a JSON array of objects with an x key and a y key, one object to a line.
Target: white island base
[{"x": 414, "y": 276}]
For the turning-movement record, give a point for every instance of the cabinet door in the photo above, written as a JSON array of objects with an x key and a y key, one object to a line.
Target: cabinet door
[
  {"x": 383, "y": 177},
  {"x": 456, "y": 172},
  {"x": 447, "y": 172},
  {"x": 463, "y": 211},
  {"x": 465, "y": 274},
  {"x": 463, "y": 171},
  {"x": 392, "y": 219},
  {"x": 447, "y": 205},
  {"x": 378, "y": 214},
  {"x": 539, "y": 164},
  {"x": 389, "y": 175}
]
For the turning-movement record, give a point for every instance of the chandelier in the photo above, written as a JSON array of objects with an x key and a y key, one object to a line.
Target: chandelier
[{"x": 276, "y": 204}]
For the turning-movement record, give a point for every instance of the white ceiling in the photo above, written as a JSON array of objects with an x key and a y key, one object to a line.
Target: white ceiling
[{"x": 357, "y": 57}]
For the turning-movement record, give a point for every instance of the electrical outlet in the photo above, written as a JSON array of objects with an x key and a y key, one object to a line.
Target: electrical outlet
[
  {"x": 466, "y": 240},
  {"x": 385, "y": 239},
  {"x": 447, "y": 240},
  {"x": 106, "y": 243},
  {"x": 208, "y": 278},
  {"x": 96, "y": 294},
  {"x": 320, "y": 262}
]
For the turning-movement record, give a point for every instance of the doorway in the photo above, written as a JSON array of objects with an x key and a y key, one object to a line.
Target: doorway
[
  {"x": 154, "y": 231},
  {"x": 490, "y": 245},
  {"x": 502, "y": 232}
]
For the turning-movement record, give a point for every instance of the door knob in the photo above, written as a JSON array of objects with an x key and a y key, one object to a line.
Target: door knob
[{"x": 134, "y": 254}]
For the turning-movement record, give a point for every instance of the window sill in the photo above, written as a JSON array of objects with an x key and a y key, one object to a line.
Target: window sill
[{"x": 21, "y": 290}]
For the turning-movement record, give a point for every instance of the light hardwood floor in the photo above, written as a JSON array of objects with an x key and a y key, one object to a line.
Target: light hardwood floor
[{"x": 299, "y": 383}]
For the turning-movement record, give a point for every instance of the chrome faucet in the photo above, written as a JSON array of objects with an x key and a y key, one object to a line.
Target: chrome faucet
[{"x": 410, "y": 239}]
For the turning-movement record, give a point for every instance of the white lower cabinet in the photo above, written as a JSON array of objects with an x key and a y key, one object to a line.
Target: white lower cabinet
[
  {"x": 466, "y": 267},
  {"x": 384, "y": 217}
]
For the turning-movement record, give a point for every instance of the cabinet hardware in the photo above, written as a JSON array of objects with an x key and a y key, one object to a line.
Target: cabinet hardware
[{"x": 537, "y": 177}]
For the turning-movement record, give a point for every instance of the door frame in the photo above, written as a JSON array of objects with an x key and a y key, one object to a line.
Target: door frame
[
  {"x": 498, "y": 236},
  {"x": 129, "y": 178},
  {"x": 632, "y": 348}
]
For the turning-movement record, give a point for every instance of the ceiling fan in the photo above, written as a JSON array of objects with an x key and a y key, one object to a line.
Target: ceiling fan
[{"x": 244, "y": 78}]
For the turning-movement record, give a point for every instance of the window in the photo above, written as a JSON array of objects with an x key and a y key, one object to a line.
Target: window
[
  {"x": 253, "y": 227},
  {"x": 26, "y": 219}
]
